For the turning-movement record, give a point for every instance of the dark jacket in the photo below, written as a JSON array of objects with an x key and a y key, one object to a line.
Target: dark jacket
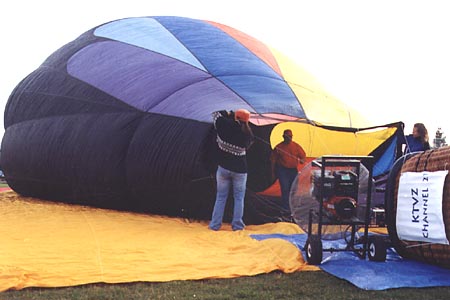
[{"x": 232, "y": 141}]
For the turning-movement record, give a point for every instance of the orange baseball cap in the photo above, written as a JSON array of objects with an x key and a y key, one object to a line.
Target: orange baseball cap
[{"x": 242, "y": 115}]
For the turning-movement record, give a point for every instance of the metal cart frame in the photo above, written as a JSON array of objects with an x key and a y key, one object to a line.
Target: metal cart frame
[{"x": 372, "y": 246}]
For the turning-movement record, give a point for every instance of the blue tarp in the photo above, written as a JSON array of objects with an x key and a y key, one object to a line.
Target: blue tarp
[{"x": 395, "y": 272}]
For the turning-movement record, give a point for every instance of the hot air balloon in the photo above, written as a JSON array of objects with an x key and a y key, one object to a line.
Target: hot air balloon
[{"x": 121, "y": 118}]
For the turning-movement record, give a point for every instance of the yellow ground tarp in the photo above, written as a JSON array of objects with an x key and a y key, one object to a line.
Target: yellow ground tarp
[{"x": 45, "y": 244}]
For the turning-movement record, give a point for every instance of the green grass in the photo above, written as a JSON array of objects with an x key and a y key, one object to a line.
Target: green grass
[{"x": 315, "y": 285}]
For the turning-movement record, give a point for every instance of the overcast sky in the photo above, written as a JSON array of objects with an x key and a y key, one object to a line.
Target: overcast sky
[{"x": 389, "y": 59}]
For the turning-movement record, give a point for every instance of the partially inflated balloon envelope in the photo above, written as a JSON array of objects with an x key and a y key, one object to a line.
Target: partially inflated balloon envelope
[{"x": 121, "y": 117}]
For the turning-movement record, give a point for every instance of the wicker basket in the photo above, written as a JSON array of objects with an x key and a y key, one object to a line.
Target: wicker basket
[{"x": 431, "y": 160}]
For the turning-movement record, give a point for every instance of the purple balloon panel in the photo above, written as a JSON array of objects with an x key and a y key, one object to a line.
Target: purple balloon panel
[
  {"x": 198, "y": 100},
  {"x": 138, "y": 77}
]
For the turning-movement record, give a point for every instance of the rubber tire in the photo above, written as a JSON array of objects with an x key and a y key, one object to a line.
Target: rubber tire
[
  {"x": 376, "y": 249},
  {"x": 313, "y": 249}
]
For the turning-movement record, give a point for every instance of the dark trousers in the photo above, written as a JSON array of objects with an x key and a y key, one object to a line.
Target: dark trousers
[{"x": 286, "y": 176}]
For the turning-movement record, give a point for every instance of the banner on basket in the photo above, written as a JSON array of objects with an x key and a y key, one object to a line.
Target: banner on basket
[{"x": 419, "y": 207}]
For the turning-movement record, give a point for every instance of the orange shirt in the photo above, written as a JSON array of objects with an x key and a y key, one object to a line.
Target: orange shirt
[{"x": 288, "y": 155}]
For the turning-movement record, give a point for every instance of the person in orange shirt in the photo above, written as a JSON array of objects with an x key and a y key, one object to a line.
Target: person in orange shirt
[{"x": 285, "y": 158}]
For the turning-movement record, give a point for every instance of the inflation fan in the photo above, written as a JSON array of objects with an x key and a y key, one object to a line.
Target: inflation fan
[{"x": 330, "y": 200}]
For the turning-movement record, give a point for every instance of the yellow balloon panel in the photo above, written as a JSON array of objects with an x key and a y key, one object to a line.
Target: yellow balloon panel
[
  {"x": 318, "y": 141},
  {"x": 318, "y": 105}
]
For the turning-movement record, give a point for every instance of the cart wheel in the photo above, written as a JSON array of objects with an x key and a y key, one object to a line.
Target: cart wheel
[
  {"x": 313, "y": 249},
  {"x": 376, "y": 248}
]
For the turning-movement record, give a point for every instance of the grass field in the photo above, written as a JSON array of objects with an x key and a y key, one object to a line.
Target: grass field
[{"x": 315, "y": 285}]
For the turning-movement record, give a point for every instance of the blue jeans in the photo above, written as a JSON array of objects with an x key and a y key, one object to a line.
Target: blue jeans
[
  {"x": 225, "y": 180},
  {"x": 286, "y": 177}
]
